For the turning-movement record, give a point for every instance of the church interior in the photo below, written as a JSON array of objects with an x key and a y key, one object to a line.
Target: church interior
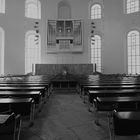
[{"x": 69, "y": 69}]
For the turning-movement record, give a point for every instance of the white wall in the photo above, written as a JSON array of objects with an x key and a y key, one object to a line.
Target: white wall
[
  {"x": 15, "y": 26},
  {"x": 79, "y": 10},
  {"x": 116, "y": 25},
  {"x": 113, "y": 28}
]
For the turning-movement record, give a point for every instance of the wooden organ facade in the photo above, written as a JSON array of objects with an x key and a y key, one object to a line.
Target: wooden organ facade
[{"x": 64, "y": 36}]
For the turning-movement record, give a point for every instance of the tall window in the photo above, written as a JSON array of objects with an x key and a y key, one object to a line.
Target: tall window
[
  {"x": 2, "y": 6},
  {"x": 33, "y": 9},
  {"x": 132, "y": 6},
  {"x": 2, "y": 41},
  {"x": 96, "y": 11},
  {"x": 64, "y": 10},
  {"x": 133, "y": 44},
  {"x": 32, "y": 50},
  {"x": 96, "y": 52}
]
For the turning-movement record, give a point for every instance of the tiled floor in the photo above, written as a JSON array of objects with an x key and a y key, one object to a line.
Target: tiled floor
[{"x": 65, "y": 117}]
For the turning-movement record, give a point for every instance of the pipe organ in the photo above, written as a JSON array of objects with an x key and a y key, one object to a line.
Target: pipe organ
[{"x": 64, "y": 36}]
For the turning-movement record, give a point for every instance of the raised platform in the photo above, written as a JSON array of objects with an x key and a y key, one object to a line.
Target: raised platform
[{"x": 54, "y": 69}]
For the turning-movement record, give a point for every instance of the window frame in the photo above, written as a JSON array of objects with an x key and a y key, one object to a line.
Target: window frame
[
  {"x": 98, "y": 14},
  {"x": 27, "y": 59},
  {"x": 96, "y": 53},
  {"x": 131, "y": 8},
  {"x": 63, "y": 4},
  {"x": 2, "y": 6},
  {"x": 133, "y": 52},
  {"x": 37, "y": 4}
]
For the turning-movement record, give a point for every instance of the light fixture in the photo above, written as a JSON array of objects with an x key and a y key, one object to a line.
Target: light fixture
[
  {"x": 35, "y": 26},
  {"x": 37, "y": 36},
  {"x": 92, "y": 30},
  {"x": 36, "y": 22},
  {"x": 37, "y": 31}
]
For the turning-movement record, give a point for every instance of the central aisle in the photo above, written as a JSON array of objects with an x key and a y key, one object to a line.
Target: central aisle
[
  {"x": 65, "y": 117},
  {"x": 68, "y": 119}
]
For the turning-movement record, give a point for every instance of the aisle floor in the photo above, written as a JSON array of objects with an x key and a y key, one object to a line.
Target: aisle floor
[{"x": 66, "y": 117}]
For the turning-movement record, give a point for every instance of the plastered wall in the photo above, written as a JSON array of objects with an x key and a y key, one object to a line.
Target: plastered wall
[{"x": 113, "y": 28}]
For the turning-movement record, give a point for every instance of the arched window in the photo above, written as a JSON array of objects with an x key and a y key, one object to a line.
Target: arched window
[
  {"x": 133, "y": 44},
  {"x": 33, "y": 9},
  {"x": 132, "y": 6},
  {"x": 96, "y": 52},
  {"x": 2, "y": 42},
  {"x": 96, "y": 11},
  {"x": 2, "y": 6},
  {"x": 64, "y": 10},
  {"x": 32, "y": 50}
]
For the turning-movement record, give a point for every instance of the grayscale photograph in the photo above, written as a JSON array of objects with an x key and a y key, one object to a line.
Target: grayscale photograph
[{"x": 69, "y": 69}]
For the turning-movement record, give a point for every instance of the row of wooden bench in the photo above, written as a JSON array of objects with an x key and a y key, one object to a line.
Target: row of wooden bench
[
  {"x": 24, "y": 98},
  {"x": 121, "y": 100}
]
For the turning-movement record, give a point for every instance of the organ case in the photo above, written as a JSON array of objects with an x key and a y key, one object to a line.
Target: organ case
[{"x": 64, "y": 36}]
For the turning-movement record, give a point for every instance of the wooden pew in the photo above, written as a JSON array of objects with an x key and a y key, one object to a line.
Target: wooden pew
[
  {"x": 104, "y": 87},
  {"x": 124, "y": 123},
  {"x": 41, "y": 89},
  {"x": 109, "y": 104},
  {"x": 10, "y": 125},
  {"x": 13, "y": 84},
  {"x": 23, "y": 106},
  {"x": 26, "y": 84},
  {"x": 35, "y": 95},
  {"x": 93, "y": 94},
  {"x": 111, "y": 87},
  {"x": 117, "y": 103},
  {"x": 109, "y": 83}
]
